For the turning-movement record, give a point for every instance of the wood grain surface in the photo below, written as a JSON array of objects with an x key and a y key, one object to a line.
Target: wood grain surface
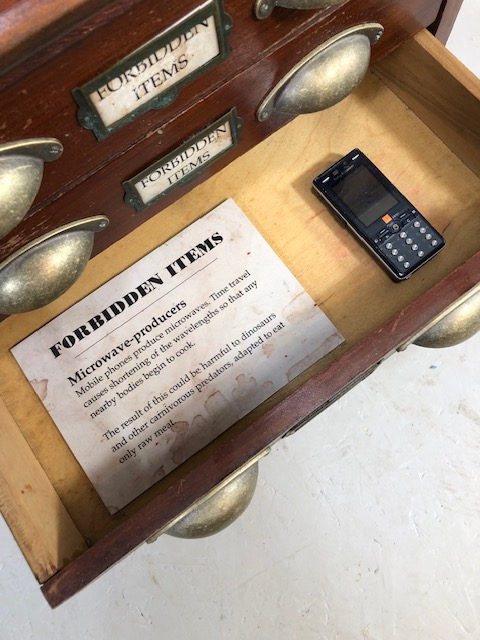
[
  {"x": 271, "y": 183},
  {"x": 445, "y": 20},
  {"x": 40, "y": 103},
  {"x": 39, "y": 521},
  {"x": 441, "y": 91}
]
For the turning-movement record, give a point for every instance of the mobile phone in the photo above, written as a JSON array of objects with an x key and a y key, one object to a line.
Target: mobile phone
[{"x": 379, "y": 214}]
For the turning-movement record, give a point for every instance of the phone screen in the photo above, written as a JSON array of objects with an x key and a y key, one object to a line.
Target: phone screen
[{"x": 364, "y": 195}]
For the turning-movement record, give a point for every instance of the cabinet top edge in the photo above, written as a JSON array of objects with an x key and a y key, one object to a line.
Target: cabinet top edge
[{"x": 28, "y": 26}]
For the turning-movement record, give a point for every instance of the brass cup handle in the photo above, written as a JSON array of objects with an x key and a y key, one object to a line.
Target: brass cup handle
[
  {"x": 219, "y": 508},
  {"x": 21, "y": 172},
  {"x": 454, "y": 326},
  {"x": 40, "y": 272},
  {"x": 264, "y": 8},
  {"x": 326, "y": 76}
]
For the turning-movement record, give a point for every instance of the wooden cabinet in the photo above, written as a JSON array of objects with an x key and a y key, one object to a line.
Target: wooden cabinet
[
  {"x": 87, "y": 180},
  {"x": 416, "y": 113}
]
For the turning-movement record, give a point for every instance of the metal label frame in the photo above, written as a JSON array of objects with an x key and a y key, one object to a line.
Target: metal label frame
[
  {"x": 88, "y": 114},
  {"x": 132, "y": 195}
]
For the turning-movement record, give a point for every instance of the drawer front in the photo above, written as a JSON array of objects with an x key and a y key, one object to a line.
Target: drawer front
[
  {"x": 42, "y": 99},
  {"x": 87, "y": 179}
]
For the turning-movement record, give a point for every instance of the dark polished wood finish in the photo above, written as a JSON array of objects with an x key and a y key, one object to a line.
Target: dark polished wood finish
[
  {"x": 443, "y": 25},
  {"x": 29, "y": 26},
  {"x": 41, "y": 104},
  {"x": 87, "y": 179}
]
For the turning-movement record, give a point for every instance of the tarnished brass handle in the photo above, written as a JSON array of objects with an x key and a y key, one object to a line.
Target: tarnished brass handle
[
  {"x": 44, "y": 269},
  {"x": 21, "y": 172},
  {"x": 455, "y": 325},
  {"x": 264, "y": 8},
  {"x": 218, "y": 509},
  {"x": 326, "y": 76}
]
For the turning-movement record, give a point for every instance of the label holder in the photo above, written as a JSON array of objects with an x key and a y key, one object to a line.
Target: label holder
[
  {"x": 89, "y": 116},
  {"x": 132, "y": 195}
]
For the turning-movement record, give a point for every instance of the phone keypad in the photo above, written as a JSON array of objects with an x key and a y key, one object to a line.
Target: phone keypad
[{"x": 414, "y": 242}]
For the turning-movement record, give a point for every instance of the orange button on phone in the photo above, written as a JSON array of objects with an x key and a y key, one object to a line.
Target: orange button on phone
[{"x": 386, "y": 218}]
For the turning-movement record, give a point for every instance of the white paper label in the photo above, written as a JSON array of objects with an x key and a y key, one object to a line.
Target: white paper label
[
  {"x": 157, "y": 72},
  {"x": 156, "y": 363}
]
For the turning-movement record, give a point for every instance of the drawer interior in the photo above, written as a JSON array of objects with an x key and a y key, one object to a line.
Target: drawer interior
[{"x": 46, "y": 498}]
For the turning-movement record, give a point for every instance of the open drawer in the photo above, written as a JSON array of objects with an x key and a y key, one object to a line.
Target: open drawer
[{"x": 416, "y": 115}]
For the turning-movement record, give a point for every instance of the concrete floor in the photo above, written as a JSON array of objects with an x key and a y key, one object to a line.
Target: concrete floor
[{"x": 365, "y": 525}]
